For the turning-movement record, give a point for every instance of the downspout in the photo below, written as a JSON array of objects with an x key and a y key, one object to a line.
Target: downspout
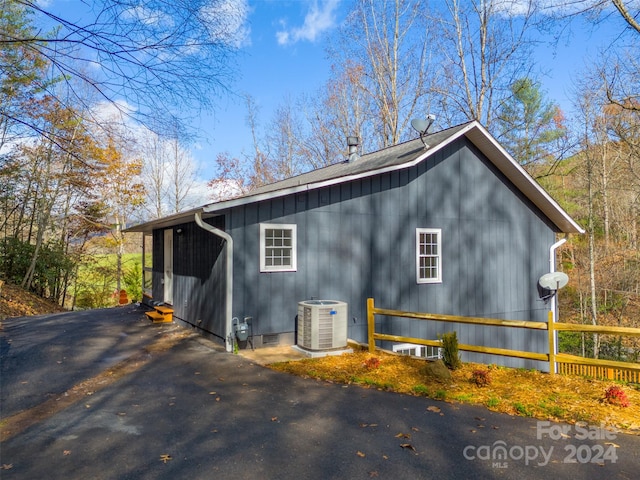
[
  {"x": 229, "y": 280},
  {"x": 554, "y": 305}
]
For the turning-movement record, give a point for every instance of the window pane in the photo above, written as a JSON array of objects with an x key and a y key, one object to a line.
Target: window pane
[
  {"x": 278, "y": 248},
  {"x": 428, "y": 255}
]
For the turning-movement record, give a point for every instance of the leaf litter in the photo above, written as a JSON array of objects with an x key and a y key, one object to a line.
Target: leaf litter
[{"x": 513, "y": 391}]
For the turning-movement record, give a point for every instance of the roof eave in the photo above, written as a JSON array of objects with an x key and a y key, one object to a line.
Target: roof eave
[
  {"x": 165, "y": 222},
  {"x": 474, "y": 131},
  {"x": 479, "y": 136}
]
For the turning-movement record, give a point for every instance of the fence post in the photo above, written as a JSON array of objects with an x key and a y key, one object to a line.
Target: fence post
[
  {"x": 552, "y": 343},
  {"x": 370, "y": 325}
]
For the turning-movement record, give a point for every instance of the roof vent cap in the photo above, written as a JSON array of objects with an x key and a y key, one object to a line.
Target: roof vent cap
[{"x": 352, "y": 143}]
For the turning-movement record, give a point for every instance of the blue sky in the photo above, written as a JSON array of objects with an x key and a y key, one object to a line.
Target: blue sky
[
  {"x": 283, "y": 54},
  {"x": 271, "y": 69}
]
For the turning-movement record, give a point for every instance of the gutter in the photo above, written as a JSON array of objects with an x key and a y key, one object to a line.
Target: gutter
[
  {"x": 229, "y": 277},
  {"x": 554, "y": 306}
]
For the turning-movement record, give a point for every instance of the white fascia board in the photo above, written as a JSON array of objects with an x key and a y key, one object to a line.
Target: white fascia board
[
  {"x": 486, "y": 143},
  {"x": 214, "y": 207},
  {"x": 525, "y": 182}
]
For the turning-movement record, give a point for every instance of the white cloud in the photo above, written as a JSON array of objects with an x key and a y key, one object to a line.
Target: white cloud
[
  {"x": 227, "y": 21},
  {"x": 320, "y": 18}
]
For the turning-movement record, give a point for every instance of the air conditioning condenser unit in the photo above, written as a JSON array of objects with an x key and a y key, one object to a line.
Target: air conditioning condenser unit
[{"x": 322, "y": 324}]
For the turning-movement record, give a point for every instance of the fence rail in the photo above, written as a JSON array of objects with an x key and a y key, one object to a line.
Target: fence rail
[{"x": 565, "y": 363}]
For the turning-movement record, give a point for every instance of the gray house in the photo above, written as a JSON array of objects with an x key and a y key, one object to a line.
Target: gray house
[{"x": 447, "y": 224}]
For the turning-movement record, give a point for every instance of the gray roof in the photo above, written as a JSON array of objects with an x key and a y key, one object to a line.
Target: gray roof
[
  {"x": 371, "y": 162},
  {"x": 396, "y": 157}
]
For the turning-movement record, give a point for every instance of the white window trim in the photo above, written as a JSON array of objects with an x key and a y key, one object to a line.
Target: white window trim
[
  {"x": 438, "y": 232},
  {"x": 294, "y": 234}
]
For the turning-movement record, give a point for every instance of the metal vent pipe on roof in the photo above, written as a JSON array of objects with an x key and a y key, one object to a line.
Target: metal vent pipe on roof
[{"x": 352, "y": 143}]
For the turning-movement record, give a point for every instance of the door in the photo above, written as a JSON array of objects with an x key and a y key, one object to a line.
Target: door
[{"x": 168, "y": 266}]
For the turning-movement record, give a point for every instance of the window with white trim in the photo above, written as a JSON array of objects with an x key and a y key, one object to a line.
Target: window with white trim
[
  {"x": 277, "y": 248},
  {"x": 429, "y": 255}
]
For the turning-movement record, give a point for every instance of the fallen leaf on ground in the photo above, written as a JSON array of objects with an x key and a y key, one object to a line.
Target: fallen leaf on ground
[
  {"x": 360, "y": 454},
  {"x": 164, "y": 458},
  {"x": 7, "y": 466},
  {"x": 408, "y": 446},
  {"x": 66, "y": 452},
  {"x": 403, "y": 435},
  {"x": 433, "y": 408}
]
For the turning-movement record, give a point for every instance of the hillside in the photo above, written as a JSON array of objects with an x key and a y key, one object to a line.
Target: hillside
[{"x": 15, "y": 302}]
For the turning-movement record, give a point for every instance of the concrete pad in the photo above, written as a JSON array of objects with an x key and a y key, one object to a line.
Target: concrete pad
[{"x": 267, "y": 355}]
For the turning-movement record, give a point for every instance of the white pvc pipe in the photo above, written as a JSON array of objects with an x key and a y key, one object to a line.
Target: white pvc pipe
[
  {"x": 554, "y": 305},
  {"x": 228, "y": 339}
]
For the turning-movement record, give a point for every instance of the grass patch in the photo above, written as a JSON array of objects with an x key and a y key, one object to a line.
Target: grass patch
[
  {"x": 523, "y": 392},
  {"x": 523, "y": 410},
  {"x": 421, "y": 390},
  {"x": 440, "y": 395},
  {"x": 464, "y": 397}
]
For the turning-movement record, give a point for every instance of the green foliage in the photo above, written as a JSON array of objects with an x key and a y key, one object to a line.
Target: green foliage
[
  {"x": 572, "y": 343},
  {"x": 529, "y": 126},
  {"x": 95, "y": 287},
  {"x": 440, "y": 395},
  {"x": 552, "y": 409},
  {"x": 493, "y": 402},
  {"x": 464, "y": 397},
  {"x": 522, "y": 409},
  {"x": 132, "y": 279},
  {"x": 421, "y": 390},
  {"x": 53, "y": 266},
  {"x": 97, "y": 280},
  {"x": 450, "y": 353},
  {"x": 14, "y": 259}
]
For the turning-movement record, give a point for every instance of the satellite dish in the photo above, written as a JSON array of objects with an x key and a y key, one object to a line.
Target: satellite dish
[
  {"x": 422, "y": 126},
  {"x": 553, "y": 280},
  {"x": 419, "y": 125}
]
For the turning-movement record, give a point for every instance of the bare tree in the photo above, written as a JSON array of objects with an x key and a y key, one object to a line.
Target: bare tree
[
  {"x": 621, "y": 69},
  {"x": 483, "y": 48},
  {"x": 383, "y": 47},
  {"x": 154, "y": 154},
  {"x": 183, "y": 172},
  {"x": 158, "y": 57},
  {"x": 340, "y": 110}
]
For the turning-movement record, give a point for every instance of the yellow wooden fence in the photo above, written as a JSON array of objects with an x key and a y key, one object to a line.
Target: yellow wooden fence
[{"x": 566, "y": 363}]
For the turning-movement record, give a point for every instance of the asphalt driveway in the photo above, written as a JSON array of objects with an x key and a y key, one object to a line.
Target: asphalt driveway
[{"x": 196, "y": 412}]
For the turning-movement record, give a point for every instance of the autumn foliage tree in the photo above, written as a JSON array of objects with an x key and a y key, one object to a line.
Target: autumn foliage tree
[{"x": 122, "y": 192}]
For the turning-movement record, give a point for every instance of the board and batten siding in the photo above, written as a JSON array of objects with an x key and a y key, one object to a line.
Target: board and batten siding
[
  {"x": 198, "y": 276},
  {"x": 357, "y": 240}
]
